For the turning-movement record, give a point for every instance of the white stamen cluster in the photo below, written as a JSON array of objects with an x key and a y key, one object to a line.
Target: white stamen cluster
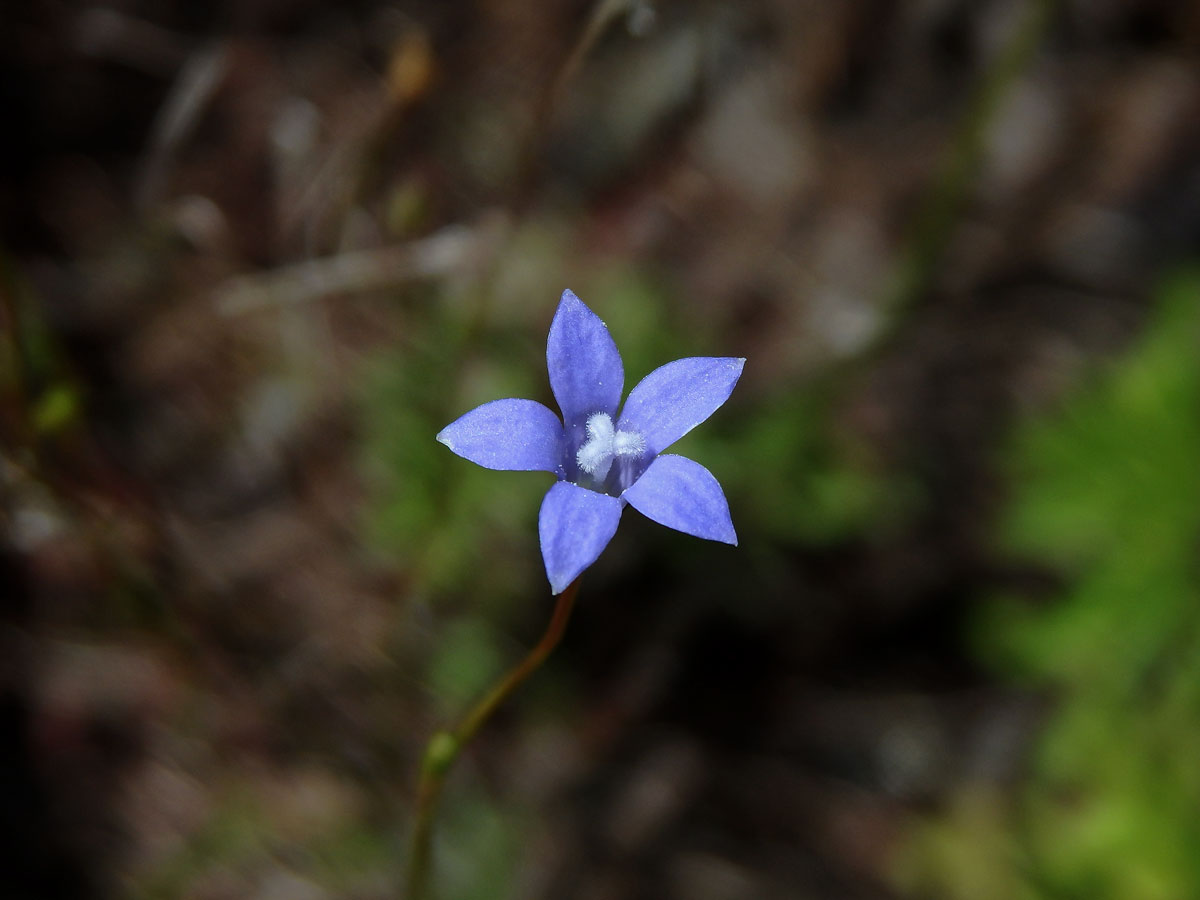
[{"x": 604, "y": 444}]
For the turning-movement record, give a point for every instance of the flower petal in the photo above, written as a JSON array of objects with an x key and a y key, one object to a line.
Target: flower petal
[
  {"x": 675, "y": 398},
  {"x": 575, "y": 525},
  {"x": 682, "y": 494},
  {"x": 586, "y": 374},
  {"x": 519, "y": 435}
]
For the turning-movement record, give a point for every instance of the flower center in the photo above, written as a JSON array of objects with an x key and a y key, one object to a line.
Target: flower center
[{"x": 604, "y": 443}]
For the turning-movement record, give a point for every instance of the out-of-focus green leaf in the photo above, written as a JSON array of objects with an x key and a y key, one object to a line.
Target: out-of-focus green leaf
[
  {"x": 55, "y": 409},
  {"x": 466, "y": 661},
  {"x": 1108, "y": 491}
]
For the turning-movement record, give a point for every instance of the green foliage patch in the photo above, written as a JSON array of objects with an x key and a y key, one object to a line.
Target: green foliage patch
[{"x": 1108, "y": 493}]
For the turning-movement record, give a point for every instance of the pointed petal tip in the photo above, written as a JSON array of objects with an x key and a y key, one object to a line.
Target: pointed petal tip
[
  {"x": 731, "y": 538},
  {"x": 509, "y": 435},
  {"x": 574, "y": 527},
  {"x": 724, "y": 537},
  {"x": 586, "y": 373},
  {"x": 680, "y": 493},
  {"x": 569, "y": 300},
  {"x": 678, "y": 396}
]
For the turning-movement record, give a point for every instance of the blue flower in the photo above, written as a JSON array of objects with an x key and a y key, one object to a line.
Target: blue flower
[{"x": 604, "y": 460}]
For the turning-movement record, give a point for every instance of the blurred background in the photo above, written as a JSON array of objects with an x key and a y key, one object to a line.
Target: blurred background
[{"x": 254, "y": 255}]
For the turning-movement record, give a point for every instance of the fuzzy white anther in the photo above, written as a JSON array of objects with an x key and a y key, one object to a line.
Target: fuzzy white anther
[
  {"x": 628, "y": 443},
  {"x": 604, "y": 443}
]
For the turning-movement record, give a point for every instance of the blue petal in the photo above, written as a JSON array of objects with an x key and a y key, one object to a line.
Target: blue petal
[
  {"x": 575, "y": 525},
  {"x": 519, "y": 435},
  {"x": 682, "y": 494},
  {"x": 586, "y": 374},
  {"x": 675, "y": 398}
]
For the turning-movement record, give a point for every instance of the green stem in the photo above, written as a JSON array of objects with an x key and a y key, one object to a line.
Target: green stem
[{"x": 445, "y": 746}]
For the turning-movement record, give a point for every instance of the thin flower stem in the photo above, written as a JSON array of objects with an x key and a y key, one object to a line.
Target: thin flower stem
[{"x": 445, "y": 746}]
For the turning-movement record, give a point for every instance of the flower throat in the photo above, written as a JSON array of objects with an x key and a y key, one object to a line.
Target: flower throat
[{"x": 604, "y": 444}]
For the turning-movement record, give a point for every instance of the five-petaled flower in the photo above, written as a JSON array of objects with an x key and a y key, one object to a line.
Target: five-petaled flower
[{"x": 603, "y": 460}]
